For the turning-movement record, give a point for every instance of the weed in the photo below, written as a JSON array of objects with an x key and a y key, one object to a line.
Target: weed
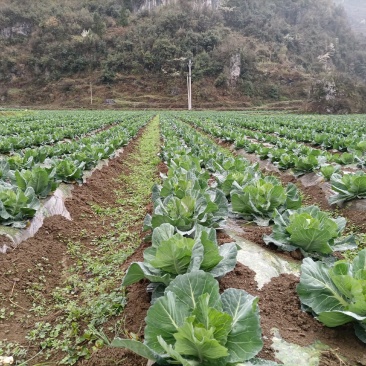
[
  {"x": 361, "y": 242},
  {"x": 12, "y": 349}
]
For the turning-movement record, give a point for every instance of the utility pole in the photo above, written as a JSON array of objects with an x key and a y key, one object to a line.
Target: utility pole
[
  {"x": 189, "y": 84},
  {"x": 91, "y": 92}
]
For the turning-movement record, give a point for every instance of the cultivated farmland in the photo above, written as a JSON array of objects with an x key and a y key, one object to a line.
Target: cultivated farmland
[{"x": 201, "y": 234}]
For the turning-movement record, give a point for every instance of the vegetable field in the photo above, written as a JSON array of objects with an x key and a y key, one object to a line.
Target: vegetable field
[{"x": 201, "y": 238}]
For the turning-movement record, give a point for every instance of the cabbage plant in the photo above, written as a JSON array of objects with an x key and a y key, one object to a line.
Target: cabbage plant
[
  {"x": 345, "y": 158},
  {"x": 361, "y": 146},
  {"x": 5, "y": 173},
  {"x": 360, "y": 160},
  {"x": 69, "y": 171},
  {"x": 42, "y": 180},
  {"x": 38, "y": 155},
  {"x": 192, "y": 324},
  {"x": 348, "y": 187},
  {"x": 263, "y": 152},
  {"x": 276, "y": 154},
  {"x": 305, "y": 163},
  {"x": 287, "y": 161},
  {"x": 226, "y": 164},
  {"x": 16, "y": 205},
  {"x": 259, "y": 199},
  {"x": 187, "y": 162},
  {"x": 181, "y": 181},
  {"x": 173, "y": 254},
  {"x": 327, "y": 170},
  {"x": 311, "y": 230},
  {"x": 336, "y": 294},
  {"x": 225, "y": 180},
  {"x": 209, "y": 208}
]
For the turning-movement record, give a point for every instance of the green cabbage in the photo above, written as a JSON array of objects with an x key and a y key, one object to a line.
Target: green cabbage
[
  {"x": 348, "y": 187},
  {"x": 259, "y": 199},
  {"x": 69, "y": 171},
  {"x": 208, "y": 209},
  {"x": 192, "y": 324},
  {"x": 336, "y": 294},
  {"x": 181, "y": 182},
  {"x": 40, "y": 179},
  {"x": 328, "y": 170},
  {"x": 311, "y": 230},
  {"x": 173, "y": 254},
  {"x": 17, "y": 206}
]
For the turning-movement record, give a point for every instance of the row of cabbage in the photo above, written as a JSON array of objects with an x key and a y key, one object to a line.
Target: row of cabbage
[
  {"x": 189, "y": 323},
  {"x": 286, "y": 154},
  {"x": 187, "y": 206},
  {"x": 48, "y": 127},
  {"x": 28, "y": 175},
  {"x": 335, "y": 132},
  {"x": 232, "y": 128}
]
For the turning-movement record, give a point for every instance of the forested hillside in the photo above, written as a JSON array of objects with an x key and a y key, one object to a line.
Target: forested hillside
[{"x": 244, "y": 53}]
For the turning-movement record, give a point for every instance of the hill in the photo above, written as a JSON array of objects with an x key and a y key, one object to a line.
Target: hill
[{"x": 135, "y": 54}]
